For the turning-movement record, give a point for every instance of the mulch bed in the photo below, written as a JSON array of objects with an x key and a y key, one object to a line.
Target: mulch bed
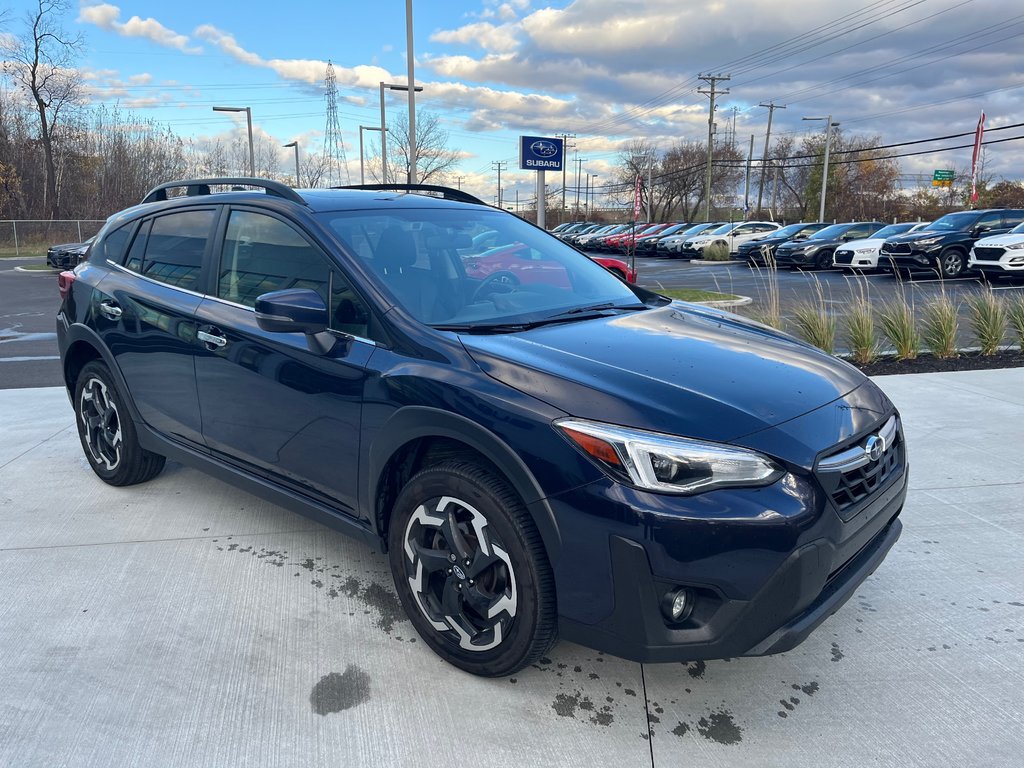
[{"x": 969, "y": 361}]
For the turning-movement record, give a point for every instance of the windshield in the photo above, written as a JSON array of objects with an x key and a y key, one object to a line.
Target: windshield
[
  {"x": 788, "y": 231},
  {"x": 697, "y": 229},
  {"x": 672, "y": 230},
  {"x": 725, "y": 229},
  {"x": 892, "y": 229},
  {"x": 953, "y": 222},
  {"x": 435, "y": 265},
  {"x": 830, "y": 233},
  {"x": 1018, "y": 230}
]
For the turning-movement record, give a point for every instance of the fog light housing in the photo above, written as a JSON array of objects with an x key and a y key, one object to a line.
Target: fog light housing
[{"x": 677, "y": 604}]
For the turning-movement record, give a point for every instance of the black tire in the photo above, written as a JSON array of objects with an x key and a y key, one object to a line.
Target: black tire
[
  {"x": 825, "y": 260},
  {"x": 107, "y": 432},
  {"x": 952, "y": 263},
  {"x": 499, "y": 569}
]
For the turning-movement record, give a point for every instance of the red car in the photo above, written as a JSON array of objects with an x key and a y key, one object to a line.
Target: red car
[{"x": 519, "y": 260}]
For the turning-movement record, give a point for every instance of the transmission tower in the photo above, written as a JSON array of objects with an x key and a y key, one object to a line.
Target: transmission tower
[{"x": 334, "y": 146}]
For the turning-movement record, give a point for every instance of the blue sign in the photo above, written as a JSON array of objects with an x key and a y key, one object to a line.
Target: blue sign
[{"x": 537, "y": 153}]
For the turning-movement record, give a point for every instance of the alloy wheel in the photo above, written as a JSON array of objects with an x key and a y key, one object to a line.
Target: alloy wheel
[
  {"x": 460, "y": 574},
  {"x": 101, "y": 424}
]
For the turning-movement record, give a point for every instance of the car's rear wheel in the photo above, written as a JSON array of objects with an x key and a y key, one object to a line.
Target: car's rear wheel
[
  {"x": 107, "y": 431},
  {"x": 471, "y": 570}
]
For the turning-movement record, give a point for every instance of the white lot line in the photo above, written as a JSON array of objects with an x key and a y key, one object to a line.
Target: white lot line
[{"x": 1006, "y": 287}]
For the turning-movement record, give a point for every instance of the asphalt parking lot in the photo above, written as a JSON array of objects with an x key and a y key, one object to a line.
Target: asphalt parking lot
[{"x": 185, "y": 623}]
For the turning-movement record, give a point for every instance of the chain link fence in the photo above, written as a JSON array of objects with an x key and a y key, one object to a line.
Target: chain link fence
[{"x": 31, "y": 237}]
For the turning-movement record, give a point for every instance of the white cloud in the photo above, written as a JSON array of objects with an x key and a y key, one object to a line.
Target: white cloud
[
  {"x": 482, "y": 33},
  {"x": 106, "y": 16}
]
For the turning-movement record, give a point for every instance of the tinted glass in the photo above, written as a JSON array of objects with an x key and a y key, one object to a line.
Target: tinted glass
[
  {"x": 830, "y": 233},
  {"x": 113, "y": 245},
  {"x": 175, "y": 247},
  {"x": 1018, "y": 230},
  {"x": 138, "y": 249},
  {"x": 425, "y": 259},
  {"x": 1012, "y": 218},
  {"x": 953, "y": 222},
  {"x": 263, "y": 254},
  {"x": 893, "y": 229}
]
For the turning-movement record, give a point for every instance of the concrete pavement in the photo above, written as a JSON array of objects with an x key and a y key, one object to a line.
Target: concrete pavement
[{"x": 184, "y": 623}]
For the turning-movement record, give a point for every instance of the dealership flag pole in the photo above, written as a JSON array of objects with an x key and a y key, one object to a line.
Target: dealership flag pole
[{"x": 979, "y": 132}]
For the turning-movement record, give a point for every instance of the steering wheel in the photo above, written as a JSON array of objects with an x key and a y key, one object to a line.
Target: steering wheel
[{"x": 501, "y": 281}]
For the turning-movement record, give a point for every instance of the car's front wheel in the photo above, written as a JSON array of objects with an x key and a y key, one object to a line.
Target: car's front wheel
[
  {"x": 107, "y": 431},
  {"x": 951, "y": 263},
  {"x": 471, "y": 570}
]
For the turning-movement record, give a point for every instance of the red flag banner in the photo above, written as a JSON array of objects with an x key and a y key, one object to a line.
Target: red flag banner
[
  {"x": 638, "y": 197},
  {"x": 979, "y": 133}
]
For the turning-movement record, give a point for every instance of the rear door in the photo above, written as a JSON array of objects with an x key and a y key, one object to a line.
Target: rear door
[
  {"x": 145, "y": 312},
  {"x": 269, "y": 404}
]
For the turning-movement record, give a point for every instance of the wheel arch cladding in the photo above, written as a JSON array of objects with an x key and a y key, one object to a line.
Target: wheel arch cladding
[{"x": 416, "y": 436}]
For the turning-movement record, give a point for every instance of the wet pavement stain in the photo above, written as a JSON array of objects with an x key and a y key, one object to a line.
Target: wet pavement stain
[
  {"x": 338, "y": 692},
  {"x": 837, "y": 652},
  {"x": 696, "y": 669},
  {"x": 720, "y": 727},
  {"x": 569, "y": 704}
]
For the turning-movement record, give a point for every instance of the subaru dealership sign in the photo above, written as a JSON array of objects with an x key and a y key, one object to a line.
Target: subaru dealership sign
[{"x": 537, "y": 153}]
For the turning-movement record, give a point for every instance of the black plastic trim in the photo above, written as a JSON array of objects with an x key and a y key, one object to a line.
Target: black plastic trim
[
  {"x": 447, "y": 192},
  {"x": 201, "y": 187}
]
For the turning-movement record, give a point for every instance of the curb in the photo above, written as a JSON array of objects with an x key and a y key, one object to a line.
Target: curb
[
  {"x": 51, "y": 271},
  {"x": 739, "y": 302},
  {"x": 716, "y": 263}
]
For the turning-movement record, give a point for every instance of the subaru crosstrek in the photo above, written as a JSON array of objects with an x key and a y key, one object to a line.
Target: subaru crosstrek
[{"x": 570, "y": 456}]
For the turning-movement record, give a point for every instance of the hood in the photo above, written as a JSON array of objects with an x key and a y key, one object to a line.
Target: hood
[
  {"x": 922, "y": 234},
  {"x": 795, "y": 245},
  {"x": 679, "y": 369},
  {"x": 870, "y": 242}
]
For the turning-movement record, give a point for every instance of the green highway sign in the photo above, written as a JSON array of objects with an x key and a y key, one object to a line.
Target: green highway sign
[{"x": 943, "y": 178}]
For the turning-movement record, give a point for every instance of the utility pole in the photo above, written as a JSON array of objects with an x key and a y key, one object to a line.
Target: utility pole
[
  {"x": 732, "y": 133},
  {"x": 746, "y": 186},
  {"x": 713, "y": 91},
  {"x": 579, "y": 170},
  {"x": 771, "y": 106},
  {"x": 775, "y": 187},
  {"x": 458, "y": 180},
  {"x": 500, "y": 166},
  {"x": 565, "y": 151}
]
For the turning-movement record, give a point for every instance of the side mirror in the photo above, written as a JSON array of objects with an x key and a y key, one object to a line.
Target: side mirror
[{"x": 295, "y": 310}]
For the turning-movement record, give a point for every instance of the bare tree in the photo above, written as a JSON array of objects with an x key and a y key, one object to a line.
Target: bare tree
[
  {"x": 434, "y": 160},
  {"x": 40, "y": 61}
]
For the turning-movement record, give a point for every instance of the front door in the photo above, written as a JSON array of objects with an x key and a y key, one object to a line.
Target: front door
[{"x": 268, "y": 402}]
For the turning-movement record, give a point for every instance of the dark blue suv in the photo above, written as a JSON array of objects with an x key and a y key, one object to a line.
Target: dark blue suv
[{"x": 542, "y": 450}]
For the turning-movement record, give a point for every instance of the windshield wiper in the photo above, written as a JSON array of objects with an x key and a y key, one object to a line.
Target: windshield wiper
[{"x": 577, "y": 313}]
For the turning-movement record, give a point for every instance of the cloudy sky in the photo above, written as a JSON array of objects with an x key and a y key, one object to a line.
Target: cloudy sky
[{"x": 607, "y": 70}]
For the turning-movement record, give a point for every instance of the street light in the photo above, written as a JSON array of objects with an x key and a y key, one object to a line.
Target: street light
[
  {"x": 824, "y": 171},
  {"x": 412, "y": 91},
  {"x": 248, "y": 120},
  {"x": 593, "y": 192},
  {"x": 362, "y": 172},
  {"x": 296, "y": 145},
  {"x": 383, "y": 125}
]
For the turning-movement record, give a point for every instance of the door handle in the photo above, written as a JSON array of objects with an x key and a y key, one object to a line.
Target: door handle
[
  {"x": 110, "y": 310},
  {"x": 212, "y": 339}
]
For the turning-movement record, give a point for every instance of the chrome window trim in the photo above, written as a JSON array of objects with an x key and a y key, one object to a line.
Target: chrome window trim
[{"x": 133, "y": 273}]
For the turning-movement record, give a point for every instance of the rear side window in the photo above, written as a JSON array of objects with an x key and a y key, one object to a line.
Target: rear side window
[
  {"x": 1013, "y": 218},
  {"x": 175, "y": 247},
  {"x": 111, "y": 248}
]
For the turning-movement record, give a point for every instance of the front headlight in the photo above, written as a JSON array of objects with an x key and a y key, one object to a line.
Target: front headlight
[
  {"x": 865, "y": 250},
  {"x": 1014, "y": 246},
  {"x": 928, "y": 241},
  {"x": 665, "y": 463}
]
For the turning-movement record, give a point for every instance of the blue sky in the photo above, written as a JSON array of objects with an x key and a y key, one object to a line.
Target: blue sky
[{"x": 608, "y": 70}]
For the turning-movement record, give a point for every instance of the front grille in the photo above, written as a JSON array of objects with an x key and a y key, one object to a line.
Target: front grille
[
  {"x": 988, "y": 254},
  {"x": 844, "y": 257},
  {"x": 848, "y": 487},
  {"x": 896, "y": 249}
]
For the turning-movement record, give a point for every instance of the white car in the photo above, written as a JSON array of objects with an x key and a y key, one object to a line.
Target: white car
[
  {"x": 999, "y": 254},
  {"x": 731, "y": 235},
  {"x": 674, "y": 243},
  {"x": 862, "y": 255}
]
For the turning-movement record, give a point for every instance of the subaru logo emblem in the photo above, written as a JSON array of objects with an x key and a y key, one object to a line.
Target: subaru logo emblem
[
  {"x": 459, "y": 572},
  {"x": 874, "y": 447},
  {"x": 543, "y": 149}
]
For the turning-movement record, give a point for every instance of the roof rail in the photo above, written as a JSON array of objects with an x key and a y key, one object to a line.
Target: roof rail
[
  {"x": 198, "y": 187},
  {"x": 447, "y": 192}
]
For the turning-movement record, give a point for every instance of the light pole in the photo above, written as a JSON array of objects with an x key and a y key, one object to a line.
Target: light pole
[
  {"x": 296, "y": 145},
  {"x": 384, "y": 127},
  {"x": 593, "y": 192},
  {"x": 248, "y": 120},
  {"x": 412, "y": 91},
  {"x": 824, "y": 171},
  {"x": 362, "y": 172}
]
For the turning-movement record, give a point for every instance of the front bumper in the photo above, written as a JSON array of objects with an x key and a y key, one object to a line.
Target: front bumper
[
  {"x": 917, "y": 259},
  {"x": 790, "y": 258},
  {"x": 749, "y": 602}
]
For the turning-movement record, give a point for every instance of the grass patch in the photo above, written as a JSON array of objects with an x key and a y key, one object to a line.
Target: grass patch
[
  {"x": 716, "y": 252},
  {"x": 39, "y": 268},
  {"x": 900, "y": 327},
  {"x": 941, "y": 323},
  {"x": 696, "y": 294},
  {"x": 987, "y": 316},
  {"x": 860, "y": 331},
  {"x": 1015, "y": 311}
]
